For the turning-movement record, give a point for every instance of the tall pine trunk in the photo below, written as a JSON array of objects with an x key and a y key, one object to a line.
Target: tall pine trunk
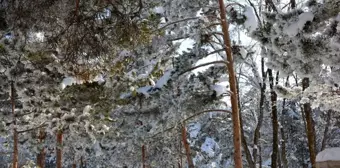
[
  {"x": 42, "y": 154},
  {"x": 15, "y": 133},
  {"x": 233, "y": 88},
  {"x": 310, "y": 126},
  {"x": 59, "y": 148},
  {"x": 275, "y": 124}
]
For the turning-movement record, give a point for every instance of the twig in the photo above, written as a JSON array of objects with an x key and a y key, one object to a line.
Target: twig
[
  {"x": 31, "y": 129},
  {"x": 202, "y": 65}
]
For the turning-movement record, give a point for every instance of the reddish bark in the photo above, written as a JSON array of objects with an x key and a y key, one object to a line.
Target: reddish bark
[
  {"x": 15, "y": 133},
  {"x": 233, "y": 88},
  {"x": 143, "y": 156},
  {"x": 59, "y": 148},
  {"x": 42, "y": 154},
  {"x": 187, "y": 147},
  {"x": 309, "y": 126}
]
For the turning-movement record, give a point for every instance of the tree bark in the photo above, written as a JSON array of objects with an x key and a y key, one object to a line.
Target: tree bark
[
  {"x": 59, "y": 148},
  {"x": 249, "y": 159},
  {"x": 261, "y": 108},
  {"x": 310, "y": 126},
  {"x": 143, "y": 156},
  {"x": 42, "y": 154},
  {"x": 325, "y": 133},
  {"x": 15, "y": 132},
  {"x": 187, "y": 147},
  {"x": 275, "y": 125},
  {"x": 284, "y": 140},
  {"x": 232, "y": 82},
  {"x": 81, "y": 162},
  {"x": 246, "y": 150}
]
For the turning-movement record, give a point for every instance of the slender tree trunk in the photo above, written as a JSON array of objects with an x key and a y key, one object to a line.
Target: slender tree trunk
[
  {"x": 42, "y": 154},
  {"x": 15, "y": 133},
  {"x": 187, "y": 147},
  {"x": 273, "y": 98},
  {"x": 279, "y": 160},
  {"x": 283, "y": 150},
  {"x": 249, "y": 159},
  {"x": 143, "y": 156},
  {"x": 74, "y": 165},
  {"x": 325, "y": 133},
  {"x": 261, "y": 108},
  {"x": 246, "y": 150},
  {"x": 59, "y": 148},
  {"x": 260, "y": 156},
  {"x": 81, "y": 162},
  {"x": 284, "y": 140},
  {"x": 180, "y": 162},
  {"x": 232, "y": 82},
  {"x": 310, "y": 126}
]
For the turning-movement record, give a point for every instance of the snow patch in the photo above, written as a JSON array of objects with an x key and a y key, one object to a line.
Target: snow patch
[
  {"x": 329, "y": 154},
  {"x": 164, "y": 79},
  {"x": 68, "y": 81},
  {"x": 209, "y": 146},
  {"x": 185, "y": 45},
  {"x": 194, "y": 129},
  {"x": 251, "y": 21},
  {"x": 144, "y": 90},
  {"x": 159, "y": 10},
  {"x": 219, "y": 89},
  {"x": 293, "y": 29}
]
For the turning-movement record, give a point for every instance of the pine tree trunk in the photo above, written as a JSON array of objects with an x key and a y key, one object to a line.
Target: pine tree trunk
[
  {"x": 15, "y": 133},
  {"x": 310, "y": 126},
  {"x": 275, "y": 125},
  {"x": 143, "y": 156},
  {"x": 325, "y": 133},
  {"x": 232, "y": 82},
  {"x": 59, "y": 148},
  {"x": 42, "y": 154},
  {"x": 187, "y": 147}
]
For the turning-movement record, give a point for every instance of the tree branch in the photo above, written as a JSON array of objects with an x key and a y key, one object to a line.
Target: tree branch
[
  {"x": 31, "y": 129},
  {"x": 202, "y": 65}
]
